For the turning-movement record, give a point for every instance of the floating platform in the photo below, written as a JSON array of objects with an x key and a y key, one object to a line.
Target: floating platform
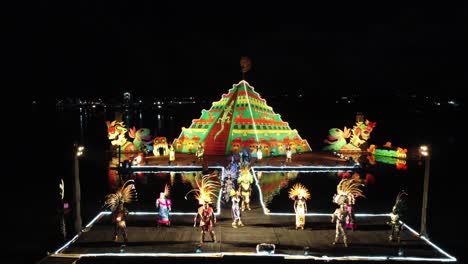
[
  {"x": 178, "y": 243},
  {"x": 310, "y": 161}
]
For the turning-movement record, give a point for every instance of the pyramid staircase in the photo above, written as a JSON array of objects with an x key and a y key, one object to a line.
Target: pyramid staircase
[{"x": 215, "y": 141}]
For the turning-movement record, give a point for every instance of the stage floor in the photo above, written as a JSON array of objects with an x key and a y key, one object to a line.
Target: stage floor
[
  {"x": 149, "y": 243},
  {"x": 147, "y": 240}
]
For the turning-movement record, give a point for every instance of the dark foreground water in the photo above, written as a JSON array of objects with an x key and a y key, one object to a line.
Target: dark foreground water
[{"x": 44, "y": 155}]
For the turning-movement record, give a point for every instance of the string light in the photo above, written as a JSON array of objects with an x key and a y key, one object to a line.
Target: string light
[{"x": 448, "y": 258}]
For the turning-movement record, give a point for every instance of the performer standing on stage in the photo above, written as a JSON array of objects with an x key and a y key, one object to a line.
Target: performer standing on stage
[
  {"x": 228, "y": 185},
  {"x": 206, "y": 194},
  {"x": 339, "y": 218},
  {"x": 236, "y": 213},
  {"x": 299, "y": 194},
  {"x": 163, "y": 204},
  {"x": 396, "y": 215},
  {"x": 116, "y": 201},
  {"x": 245, "y": 181},
  {"x": 207, "y": 221},
  {"x": 346, "y": 193}
]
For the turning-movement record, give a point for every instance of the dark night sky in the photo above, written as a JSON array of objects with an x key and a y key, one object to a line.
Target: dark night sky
[
  {"x": 95, "y": 48},
  {"x": 102, "y": 48}
]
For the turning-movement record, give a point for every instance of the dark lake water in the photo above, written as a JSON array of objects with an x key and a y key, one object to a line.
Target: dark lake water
[{"x": 54, "y": 131}]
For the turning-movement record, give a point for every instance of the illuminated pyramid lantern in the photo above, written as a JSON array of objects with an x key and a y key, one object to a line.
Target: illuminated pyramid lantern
[{"x": 241, "y": 119}]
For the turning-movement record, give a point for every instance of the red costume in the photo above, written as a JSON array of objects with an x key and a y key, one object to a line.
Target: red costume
[{"x": 207, "y": 220}]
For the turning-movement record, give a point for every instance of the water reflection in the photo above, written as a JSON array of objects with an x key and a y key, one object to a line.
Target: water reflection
[
  {"x": 379, "y": 190},
  {"x": 272, "y": 183}
]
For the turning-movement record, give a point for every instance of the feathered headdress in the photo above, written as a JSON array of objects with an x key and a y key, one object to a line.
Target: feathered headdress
[
  {"x": 126, "y": 194},
  {"x": 399, "y": 201},
  {"x": 206, "y": 189},
  {"x": 299, "y": 190},
  {"x": 231, "y": 172},
  {"x": 166, "y": 190},
  {"x": 232, "y": 192},
  {"x": 347, "y": 191},
  {"x": 245, "y": 169}
]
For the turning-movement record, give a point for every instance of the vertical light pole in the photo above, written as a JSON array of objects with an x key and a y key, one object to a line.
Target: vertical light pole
[
  {"x": 63, "y": 228},
  {"x": 77, "y": 201},
  {"x": 424, "y": 151}
]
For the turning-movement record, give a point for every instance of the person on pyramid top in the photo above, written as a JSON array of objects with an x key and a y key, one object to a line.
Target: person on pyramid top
[
  {"x": 288, "y": 154},
  {"x": 200, "y": 151},
  {"x": 171, "y": 154},
  {"x": 245, "y": 156},
  {"x": 259, "y": 152}
]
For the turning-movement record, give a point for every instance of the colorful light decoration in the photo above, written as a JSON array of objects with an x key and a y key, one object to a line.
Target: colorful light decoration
[
  {"x": 116, "y": 133},
  {"x": 388, "y": 155},
  {"x": 349, "y": 139},
  {"x": 388, "y": 151},
  {"x": 241, "y": 119}
]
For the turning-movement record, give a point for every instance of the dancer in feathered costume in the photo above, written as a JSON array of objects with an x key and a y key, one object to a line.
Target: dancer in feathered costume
[
  {"x": 236, "y": 213},
  {"x": 228, "y": 185},
  {"x": 339, "y": 218},
  {"x": 299, "y": 194},
  {"x": 115, "y": 201},
  {"x": 347, "y": 191},
  {"x": 164, "y": 207},
  {"x": 396, "y": 215},
  {"x": 245, "y": 181},
  {"x": 206, "y": 194}
]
